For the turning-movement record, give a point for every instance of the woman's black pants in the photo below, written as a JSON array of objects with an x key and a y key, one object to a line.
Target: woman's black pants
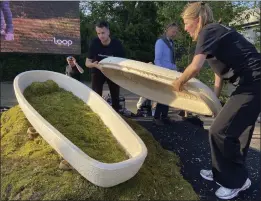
[{"x": 231, "y": 133}]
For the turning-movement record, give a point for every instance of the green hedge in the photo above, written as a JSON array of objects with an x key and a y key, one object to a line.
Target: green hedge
[{"x": 14, "y": 63}]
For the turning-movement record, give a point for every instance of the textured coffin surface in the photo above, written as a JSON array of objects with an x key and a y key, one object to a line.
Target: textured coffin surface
[
  {"x": 154, "y": 82},
  {"x": 101, "y": 174}
]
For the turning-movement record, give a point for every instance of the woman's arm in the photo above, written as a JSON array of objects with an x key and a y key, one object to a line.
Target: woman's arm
[
  {"x": 218, "y": 85},
  {"x": 191, "y": 71}
]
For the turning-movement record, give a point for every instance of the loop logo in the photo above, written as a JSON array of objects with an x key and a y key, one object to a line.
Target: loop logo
[{"x": 62, "y": 42}]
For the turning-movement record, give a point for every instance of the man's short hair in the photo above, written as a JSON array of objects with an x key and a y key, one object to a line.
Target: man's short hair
[{"x": 102, "y": 24}]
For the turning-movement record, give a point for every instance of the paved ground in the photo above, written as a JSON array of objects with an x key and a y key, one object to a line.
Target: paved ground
[{"x": 188, "y": 141}]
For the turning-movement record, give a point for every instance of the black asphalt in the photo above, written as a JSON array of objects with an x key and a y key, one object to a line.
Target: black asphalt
[{"x": 190, "y": 143}]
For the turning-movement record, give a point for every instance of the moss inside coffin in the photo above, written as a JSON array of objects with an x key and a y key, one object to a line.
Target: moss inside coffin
[
  {"x": 29, "y": 170},
  {"x": 75, "y": 120}
]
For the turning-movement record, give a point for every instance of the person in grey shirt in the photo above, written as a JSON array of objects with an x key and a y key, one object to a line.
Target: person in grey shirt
[
  {"x": 165, "y": 58},
  {"x": 73, "y": 69}
]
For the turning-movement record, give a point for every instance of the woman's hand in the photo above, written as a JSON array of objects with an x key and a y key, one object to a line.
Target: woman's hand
[{"x": 177, "y": 85}]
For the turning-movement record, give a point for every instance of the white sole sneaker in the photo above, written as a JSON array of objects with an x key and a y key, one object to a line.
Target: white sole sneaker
[
  {"x": 208, "y": 178},
  {"x": 205, "y": 177},
  {"x": 246, "y": 185}
]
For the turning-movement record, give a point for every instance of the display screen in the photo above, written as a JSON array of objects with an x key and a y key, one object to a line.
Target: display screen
[{"x": 40, "y": 27}]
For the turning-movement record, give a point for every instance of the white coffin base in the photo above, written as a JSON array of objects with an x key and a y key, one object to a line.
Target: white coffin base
[{"x": 100, "y": 174}]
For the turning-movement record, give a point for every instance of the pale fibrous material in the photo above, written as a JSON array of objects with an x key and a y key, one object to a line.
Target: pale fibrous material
[
  {"x": 98, "y": 173},
  {"x": 155, "y": 83}
]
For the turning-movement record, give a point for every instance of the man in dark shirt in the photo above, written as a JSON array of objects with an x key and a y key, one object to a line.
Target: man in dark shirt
[
  {"x": 73, "y": 69},
  {"x": 101, "y": 47}
]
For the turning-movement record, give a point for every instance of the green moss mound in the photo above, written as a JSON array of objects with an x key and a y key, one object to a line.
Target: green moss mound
[
  {"x": 75, "y": 120},
  {"x": 41, "y": 88},
  {"x": 29, "y": 170}
]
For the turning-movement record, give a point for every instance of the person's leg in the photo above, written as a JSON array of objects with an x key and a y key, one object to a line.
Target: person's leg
[
  {"x": 230, "y": 136},
  {"x": 140, "y": 102},
  {"x": 164, "y": 114},
  {"x": 98, "y": 80},
  {"x": 164, "y": 111},
  {"x": 148, "y": 105},
  {"x": 157, "y": 115},
  {"x": 8, "y": 20},
  {"x": 115, "y": 94},
  {"x": 183, "y": 113},
  {"x": 161, "y": 111},
  {"x": 2, "y": 21}
]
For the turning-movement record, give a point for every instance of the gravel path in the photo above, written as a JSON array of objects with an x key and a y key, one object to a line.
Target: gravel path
[{"x": 190, "y": 143}]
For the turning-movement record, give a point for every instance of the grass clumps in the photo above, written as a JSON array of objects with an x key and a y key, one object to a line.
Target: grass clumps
[
  {"x": 29, "y": 170},
  {"x": 75, "y": 120}
]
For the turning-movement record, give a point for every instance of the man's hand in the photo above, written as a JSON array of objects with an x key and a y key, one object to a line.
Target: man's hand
[
  {"x": 90, "y": 64},
  {"x": 95, "y": 64},
  {"x": 177, "y": 85},
  {"x": 74, "y": 61}
]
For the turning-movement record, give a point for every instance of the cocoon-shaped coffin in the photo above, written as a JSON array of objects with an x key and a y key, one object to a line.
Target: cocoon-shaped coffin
[
  {"x": 98, "y": 173},
  {"x": 155, "y": 83}
]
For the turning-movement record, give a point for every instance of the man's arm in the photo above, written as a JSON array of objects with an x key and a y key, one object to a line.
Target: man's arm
[
  {"x": 66, "y": 70},
  {"x": 79, "y": 68},
  {"x": 158, "y": 52},
  {"x": 90, "y": 64}
]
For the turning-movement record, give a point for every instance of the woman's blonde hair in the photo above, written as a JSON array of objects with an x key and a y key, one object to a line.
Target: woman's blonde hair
[{"x": 199, "y": 10}]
